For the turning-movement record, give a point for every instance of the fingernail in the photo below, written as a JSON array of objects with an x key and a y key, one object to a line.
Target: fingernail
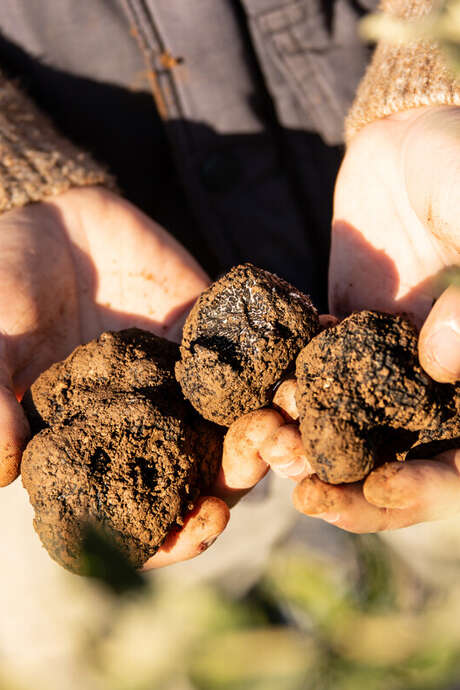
[
  {"x": 444, "y": 349},
  {"x": 207, "y": 543},
  {"x": 295, "y": 467},
  {"x": 328, "y": 517}
]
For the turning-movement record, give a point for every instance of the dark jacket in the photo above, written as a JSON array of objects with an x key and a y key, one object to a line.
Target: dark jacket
[{"x": 238, "y": 151}]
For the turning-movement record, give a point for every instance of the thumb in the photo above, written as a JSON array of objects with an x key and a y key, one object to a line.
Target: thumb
[
  {"x": 439, "y": 342},
  {"x": 14, "y": 427},
  {"x": 431, "y": 153},
  {"x": 242, "y": 464}
]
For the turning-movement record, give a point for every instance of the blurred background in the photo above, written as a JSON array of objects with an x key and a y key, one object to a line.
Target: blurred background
[
  {"x": 278, "y": 603},
  {"x": 319, "y": 609}
]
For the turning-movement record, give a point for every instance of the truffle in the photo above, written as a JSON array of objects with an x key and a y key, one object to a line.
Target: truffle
[
  {"x": 241, "y": 337},
  {"x": 116, "y": 447},
  {"x": 363, "y": 397}
]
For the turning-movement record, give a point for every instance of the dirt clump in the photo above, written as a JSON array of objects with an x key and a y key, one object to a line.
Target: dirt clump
[
  {"x": 115, "y": 446},
  {"x": 431, "y": 442},
  {"x": 363, "y": 398},
  {"x": 241, "y": 337}
]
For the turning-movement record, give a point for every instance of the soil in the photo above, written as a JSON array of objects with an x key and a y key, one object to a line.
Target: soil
[
  {"x": 363, "y": 398},
  {"x": 115, "y": 446},
  {"x": 433, "y": 442},
  {"x": 241, "y": 338}
]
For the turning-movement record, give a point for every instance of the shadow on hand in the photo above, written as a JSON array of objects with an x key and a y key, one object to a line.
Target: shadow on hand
[
  {"x": 375, "y": 281},
  {"x": 263, "y": 196}
]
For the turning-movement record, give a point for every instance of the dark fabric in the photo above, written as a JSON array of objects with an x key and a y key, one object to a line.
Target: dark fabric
[
  {"x": 99, "y": 98},
  {"x": 243, "y": 164},
  {"x": 311, "y": 60}
]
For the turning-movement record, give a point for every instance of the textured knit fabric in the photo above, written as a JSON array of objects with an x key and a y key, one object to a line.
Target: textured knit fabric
[
  {"x": 402, "y": 76},
  {"x": 35, "y": 161}
]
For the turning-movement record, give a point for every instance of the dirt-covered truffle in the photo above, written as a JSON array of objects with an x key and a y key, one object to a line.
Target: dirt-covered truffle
[
  {"x": 117, "y": 447},
  {"x": 431, "y": 442},
  {"x": 363, "y": 397},
  {"x": 241, "y": 337}
]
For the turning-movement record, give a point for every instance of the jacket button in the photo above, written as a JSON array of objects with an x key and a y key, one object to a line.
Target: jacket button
[{"x": 220, "y": 172}]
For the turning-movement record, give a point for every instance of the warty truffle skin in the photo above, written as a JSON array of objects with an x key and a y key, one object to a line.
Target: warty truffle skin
[
  {"x": 241, "y": 337},
  {"x": 363, "y": 397},
  {"x": 116, "y": 447}
]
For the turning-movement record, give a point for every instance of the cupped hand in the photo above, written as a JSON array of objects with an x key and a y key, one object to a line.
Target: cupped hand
[
  {"x": 396, "y": 236},
  {"x": 70, "y": 268},
  {"x": 81, "y": 263}
]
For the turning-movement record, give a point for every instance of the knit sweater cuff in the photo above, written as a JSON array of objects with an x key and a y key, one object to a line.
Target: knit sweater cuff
[
  {"x": 402, "y": 76},
  {"x": 35, "y": 161}
]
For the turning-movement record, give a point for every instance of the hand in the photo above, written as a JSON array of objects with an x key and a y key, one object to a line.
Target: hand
[
  {"x": 72, "y": 267},
  {"x": 395, "y": 232}
]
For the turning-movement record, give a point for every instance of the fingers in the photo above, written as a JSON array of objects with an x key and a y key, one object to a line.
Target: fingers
[
  {"x": 242, "y": 466},
  {"x": 284, "y": 452},
  {"x": 284, "y": 400},
  {"x": 394, "y": 495},
  {"x": 14, "y": 428},
  {"x": 327, "y": 321},
  {"x": 430, "y": 168},
  {"x": 201, "y": 528},
  {"x": 429, "y": 488},
  {"x": 346, "y": 507},
  {"x": 439, "y": 342},
  {"x": 123, "y": 241},
  {"x": 14, "y": 434}
]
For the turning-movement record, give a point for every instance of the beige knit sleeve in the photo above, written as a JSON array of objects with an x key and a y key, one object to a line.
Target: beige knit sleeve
[
  {"x": 36, "y": 161},
  {"x": 402, "y": 76}
]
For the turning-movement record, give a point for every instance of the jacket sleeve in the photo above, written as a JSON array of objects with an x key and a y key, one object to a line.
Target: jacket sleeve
[
  {"x": 35, "y": 160},
  {"x": 402, "y": 76}
]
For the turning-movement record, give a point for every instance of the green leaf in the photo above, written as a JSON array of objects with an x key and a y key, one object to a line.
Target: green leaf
[{"x": 103, "y": 560}]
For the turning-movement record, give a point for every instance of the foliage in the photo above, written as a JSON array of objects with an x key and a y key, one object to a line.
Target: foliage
[
  {"x": 441, "y": 25},
  {"x": 311, "y": 622},
  {"x": 104, "y": 560}
]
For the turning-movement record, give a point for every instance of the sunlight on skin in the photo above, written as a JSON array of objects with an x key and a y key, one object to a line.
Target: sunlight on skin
[
  {"x": 201, "y": 528},
  {"x": 433, "y": 488},
  {"x": 284, "y": 452},
  {"x": 146, "y": 272},
  {"x": 55, "y": 263},
  {"x": 439, "y": 343},
  {"x": 67, "y": 268},
  {"x": 88, "y": 261},
  {"x": 242, "y": 468},
  {"x": 253, "y": 443},
  {"x": 383, "y": 239},
  {"x": 389, "y": 247}
]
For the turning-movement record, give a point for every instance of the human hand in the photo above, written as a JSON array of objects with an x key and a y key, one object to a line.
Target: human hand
[
  {"x": 70, "y": 268},
  {"x": 395, "y": 232}
]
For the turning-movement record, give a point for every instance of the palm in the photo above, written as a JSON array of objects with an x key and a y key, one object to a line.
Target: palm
[
  {"x": 71, "y": 268},
  {"x": 83, "y": 264},
  {"x": 395, "y": 230},
  {"x": 395, "y": 208}
]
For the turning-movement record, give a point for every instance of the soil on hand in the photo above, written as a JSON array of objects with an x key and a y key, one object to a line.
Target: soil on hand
[
  {"x": 241, "y": 337},
  {"x": 115, "y": 446},
  {"x": 363, "y": 398}
]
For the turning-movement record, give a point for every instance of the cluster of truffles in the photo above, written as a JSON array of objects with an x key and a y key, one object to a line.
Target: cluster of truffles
[
  {"x": 115, "y": 445},
  {"x": 118, "y": 444},
  {"x": 362, "y": 395}
]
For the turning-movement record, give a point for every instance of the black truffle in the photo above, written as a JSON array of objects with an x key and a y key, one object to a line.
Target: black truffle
[
  {"x": 117, "y": 447},
  {"x": 241, "y": 337},
  {"x": 363, "y": 397}
]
